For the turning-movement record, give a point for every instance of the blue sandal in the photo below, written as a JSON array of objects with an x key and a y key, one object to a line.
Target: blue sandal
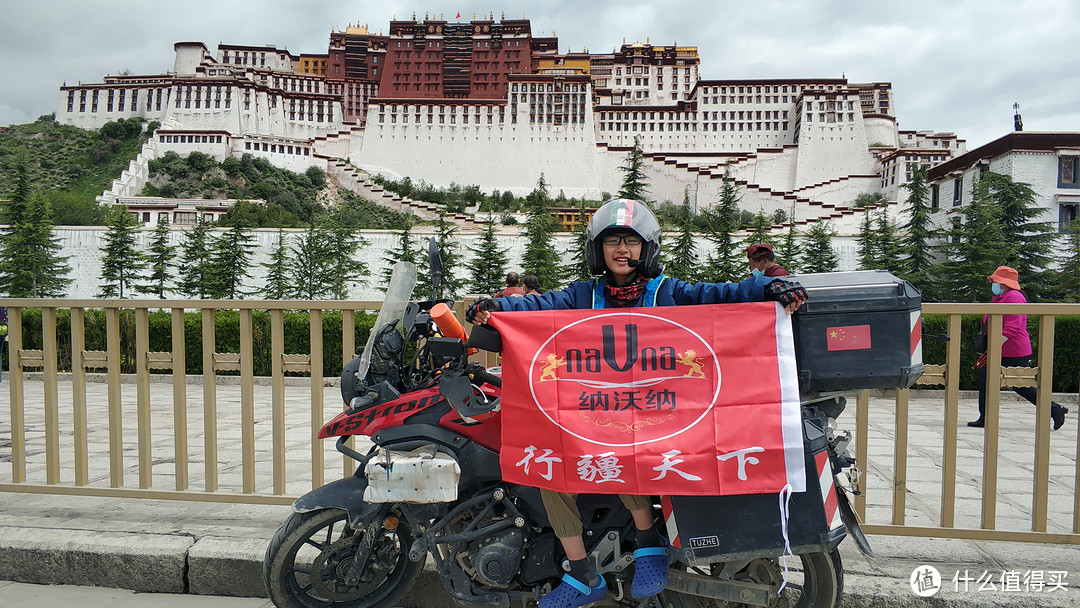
[
  {"x": 650, "y": 571},
  {"x": 573, "y": 593}
]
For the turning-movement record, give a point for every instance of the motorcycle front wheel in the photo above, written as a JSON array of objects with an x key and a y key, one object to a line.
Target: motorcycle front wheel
[
  {"x": 311, "y": 555},
  {"x": 814, "y": 580}
]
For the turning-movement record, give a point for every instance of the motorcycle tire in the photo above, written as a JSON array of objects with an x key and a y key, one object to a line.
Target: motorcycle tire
[
  {"x": 308, "y": 557},
  {"x": 818, "y": 583}
]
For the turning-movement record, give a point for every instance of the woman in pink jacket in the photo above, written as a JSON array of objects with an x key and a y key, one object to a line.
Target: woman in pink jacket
[{"x": 1016, "y": 351}]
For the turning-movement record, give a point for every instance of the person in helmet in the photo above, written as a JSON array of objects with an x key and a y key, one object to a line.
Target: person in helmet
[{"x": 623, "y": 250}]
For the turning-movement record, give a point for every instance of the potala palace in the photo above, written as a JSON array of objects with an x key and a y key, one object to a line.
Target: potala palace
[{"x": 490, "y": 103}]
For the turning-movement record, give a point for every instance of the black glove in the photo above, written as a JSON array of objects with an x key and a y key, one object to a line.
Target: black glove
[
  {"x": 481, "y": 304},
  {"x": 785, "y": 292}
]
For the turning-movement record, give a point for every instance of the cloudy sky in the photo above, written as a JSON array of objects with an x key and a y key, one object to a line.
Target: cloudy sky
[{"x": 955, "y": 66}]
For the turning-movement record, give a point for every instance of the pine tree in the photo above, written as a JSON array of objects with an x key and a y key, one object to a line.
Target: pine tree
[
  {"x": 540, "y": 256},
  {"x": 887, "y": 255},
  {"x": 866, "y": 243},
  {"x": 681, "y": 255},
  {"x": 487, "y": 268},
  {"x": 578, "y": 268},
  {"x": 973, "y": 248},
  {"x": 404, "y": 252},
  {"x": 231, "y": 257},
  {"x": 818, "y": 253},
  {"x": 161, "y": 261},
  {"x": 195, "y": 260},
  {"x": 30, "y": 264},
  {"x": 277, "y": 285},
  {"x": 347, "y": 268},
  {"x": 722, "y": 221},
  {"x": 122, "y": 260},
  {"x": 310, "y": 269},
  {"x": 915, "y": 247},
  {"x": 789, "y": 251},
  {"x": 1029, "y": 241},
  {"x": 760, "y": 229},
  {"x": 453, "y": 284},
  {"x": 634, "y": 184}
]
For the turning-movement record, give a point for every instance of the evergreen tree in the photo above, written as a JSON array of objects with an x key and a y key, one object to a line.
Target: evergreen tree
[
  {"x": 310, "y": 268},
  {"x": 578, "y": 268},
  {"x": 818, "y": 253},
  {"x": 404, "y": 252},
  {"x": 1029, "y": 240},
  {"x": 760, "y": 229},
  {"x": 278, "y": 284},
  {"x": 789, "y": 251},
  {"x": 453, "y": 284},
  {"x": 161, "y": 261},
  {"x": 487, "y": 268},
  {"x": 540, "y": 256},
  {"x": 915, "y": 249},
  {"x": 887, "y": 255},
  {"x": 195, "y": 261},
  {"x": 634, "y": 184},
  {"x": 229, "y": 264},
  {"x": 973, "y": 248},
  {"x": 866, "y": 245},
  {"x": 681, "y": 257},
  {"x": 722, "y": 221},
  {"x": 347, "y": 268},
  {"x": 122, "y": 260},
  {"x": 30, "y": 264}
]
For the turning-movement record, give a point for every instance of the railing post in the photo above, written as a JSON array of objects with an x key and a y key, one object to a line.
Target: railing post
[
  {"x": 78, "y": 395},
  {"x": 52, "y": 405},
  {"x": 15, "y": 390},
  {"x": 179, "y": 385},
  {"x": 862, "y": 433},
  {"x": 247, "y": 402},
  {"x": 317, "y": 461},
  {"x": 1041, "y": 483},
  {"x": 210, "y": 464},
  {"x": 348, "y": 352},
  {"x": 142, "y": 389},
  {"x": 992, "y": 423},
  {"x": 116, "y": 413},
  {"x": 952, "y": 413},
  {"x": 277, "y": 397},
  {"x": 900, "y": 457}
]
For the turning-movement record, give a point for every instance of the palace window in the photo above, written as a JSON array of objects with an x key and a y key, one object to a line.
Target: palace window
[
  {"x": 957, "y": 187},
  {"x": 1067, "y": 214},
  {"x": 1067, "y": 168}
]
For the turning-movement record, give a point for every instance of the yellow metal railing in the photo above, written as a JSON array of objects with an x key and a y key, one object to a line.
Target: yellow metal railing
[{"x": 948, "y": 374}]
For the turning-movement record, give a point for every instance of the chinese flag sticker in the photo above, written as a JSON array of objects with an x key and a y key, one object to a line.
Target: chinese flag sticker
[{"x": 851, "y": 337}]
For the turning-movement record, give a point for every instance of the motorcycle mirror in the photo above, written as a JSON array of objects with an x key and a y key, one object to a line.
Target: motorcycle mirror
[{"x": 435, "y": 263}]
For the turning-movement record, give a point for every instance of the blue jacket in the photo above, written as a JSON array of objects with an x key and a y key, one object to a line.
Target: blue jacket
[{"x": 660, "y": 291}]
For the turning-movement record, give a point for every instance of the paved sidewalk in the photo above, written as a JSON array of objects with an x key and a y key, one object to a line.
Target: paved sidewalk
[
  {"x": 33, "y": 595},
  {"x": 215, "y": 549}
]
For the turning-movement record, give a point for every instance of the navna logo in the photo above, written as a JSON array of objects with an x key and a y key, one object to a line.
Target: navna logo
[{"x": 624, "y": 379}]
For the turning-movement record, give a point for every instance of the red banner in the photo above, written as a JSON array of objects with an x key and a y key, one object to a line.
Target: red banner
[{"x": 688, "y": 400}]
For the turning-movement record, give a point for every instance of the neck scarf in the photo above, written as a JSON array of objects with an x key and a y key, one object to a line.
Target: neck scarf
[{"x": 624, "y": 296}]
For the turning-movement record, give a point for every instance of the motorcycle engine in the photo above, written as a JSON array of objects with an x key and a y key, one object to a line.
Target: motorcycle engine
[{"x": 496, "y": 560}]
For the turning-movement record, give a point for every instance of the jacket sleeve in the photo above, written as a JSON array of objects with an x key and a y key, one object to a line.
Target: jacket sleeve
[
  {"x": 749, "y": 290},
  {"x": 550, "y": 300}
]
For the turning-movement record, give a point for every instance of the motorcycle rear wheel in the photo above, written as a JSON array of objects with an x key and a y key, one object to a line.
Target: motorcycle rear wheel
[
  {"x": 818, "y": 582},
  {"x": 310, "y": 554}
]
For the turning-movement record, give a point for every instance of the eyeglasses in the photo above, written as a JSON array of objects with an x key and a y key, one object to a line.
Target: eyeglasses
[{"x": 632, "y": 240}]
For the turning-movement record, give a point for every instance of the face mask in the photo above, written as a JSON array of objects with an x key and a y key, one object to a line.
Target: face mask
[
  {"x": 757, "y": 272},
  {"x": 997, "y": 289}
]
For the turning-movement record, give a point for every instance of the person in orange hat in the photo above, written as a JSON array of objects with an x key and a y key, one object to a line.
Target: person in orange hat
[
  {"x": 763, "y": 261},
  {"x": 1016, "y": 351}
]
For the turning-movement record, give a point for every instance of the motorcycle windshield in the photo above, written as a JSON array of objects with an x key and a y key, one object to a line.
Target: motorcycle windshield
[{"x": 398, "y": 293}]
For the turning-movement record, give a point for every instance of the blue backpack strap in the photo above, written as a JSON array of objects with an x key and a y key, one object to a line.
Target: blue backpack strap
[
  {"x": 598, "y": 294},
  {"x": 649, "y": 298}
]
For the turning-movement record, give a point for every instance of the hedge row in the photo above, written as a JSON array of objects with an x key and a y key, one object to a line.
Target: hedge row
[
  {"x": 1066, "y": 348},
  {"x": 297, "y": 336}
]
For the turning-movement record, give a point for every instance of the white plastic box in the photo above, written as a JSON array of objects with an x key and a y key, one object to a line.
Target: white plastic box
[{"x": 423, "y": 475}]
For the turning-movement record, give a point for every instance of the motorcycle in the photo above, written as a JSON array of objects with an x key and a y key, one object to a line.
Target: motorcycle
[{"x": 430, "y": 488}]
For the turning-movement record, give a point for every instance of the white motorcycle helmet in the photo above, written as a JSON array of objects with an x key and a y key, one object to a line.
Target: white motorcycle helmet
[{"x": 622, "y": 214}]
